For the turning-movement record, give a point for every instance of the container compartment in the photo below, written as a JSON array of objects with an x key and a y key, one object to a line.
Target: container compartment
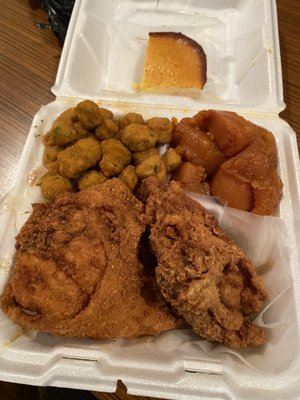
[{"x": 176, "y": 364}]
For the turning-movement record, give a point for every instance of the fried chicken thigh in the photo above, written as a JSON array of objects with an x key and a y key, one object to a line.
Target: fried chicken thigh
[
  {"x": 201, "y": 272},
  {"x": 77, "y": 270}
]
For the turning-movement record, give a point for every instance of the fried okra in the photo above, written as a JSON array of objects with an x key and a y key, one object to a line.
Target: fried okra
[
  {"x": 171, "y": 159},
  {"x": 47, "y": 138},
  {"x": 129, "y": 176},
  {"x": 130, "y": 118},
  {"x": 53, "y": 167},
  {"x": 50, "y": 154},
  {"x": 152, "y": 166},
  {"x": 139, "y": 156},
  {"x": 108, "y": 129},
  {"x": 81, "y": 131},
  {"x": 90, "y": 178},
  {"x": 88, "y": 114},
  {"x": 138, "y": 137},
  {"x": 105, "y": 113},
  {"x": 63, "y": 131},
  {"x": 53, "y": 184},
  {"x": 87, "y": 137},
  {"x": 163, "y": 127},
  {"x": 115, "y": 157},
  {"x": 79, "y": 157}
]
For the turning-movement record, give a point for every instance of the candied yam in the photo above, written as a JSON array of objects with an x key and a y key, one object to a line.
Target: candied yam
[
  {"x": 269, "y": 146},
  {"x": 266, "y": 199},
  {"x": 230, "y": 190},
  {"x": 183, "y": 128},
  {"x": 200, "y": 187},
  {"x": 254, "y": 163},
  {"x": 191, "y": 178},
  {"x": 201, "y": 119},
  {"x": 197, "y": 148},
  {"x": 188, "y": 172},
  {"x": 196, "y": 123},
  {"x": 231, "y": 132}
]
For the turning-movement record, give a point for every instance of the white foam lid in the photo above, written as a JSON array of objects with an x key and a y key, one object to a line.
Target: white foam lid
[
  {"x": 240, "y": 36},
  {"x": 104, "y": 51}
]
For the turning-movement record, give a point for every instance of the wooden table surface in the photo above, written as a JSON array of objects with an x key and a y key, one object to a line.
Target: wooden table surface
[{"x": 28, "y": 64}]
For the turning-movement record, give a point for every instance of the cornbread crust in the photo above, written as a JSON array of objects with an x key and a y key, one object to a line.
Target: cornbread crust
[{"x": 197, "y": 81}]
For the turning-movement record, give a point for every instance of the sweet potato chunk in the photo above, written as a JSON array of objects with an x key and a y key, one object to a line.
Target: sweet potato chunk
[
  {"x": 267, "y": 199},
  {"x": 192, "y": 178},
  {"x": 230, "y": 190},
  {"x": 196, "y": 147},
  {"x": 255, "y": 163},
  {"x": 231, "y": 132}
]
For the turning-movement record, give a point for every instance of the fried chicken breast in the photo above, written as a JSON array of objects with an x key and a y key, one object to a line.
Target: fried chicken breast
[
  {"x": 77, "y": 270},
  {"x": 201, "y": 272}
]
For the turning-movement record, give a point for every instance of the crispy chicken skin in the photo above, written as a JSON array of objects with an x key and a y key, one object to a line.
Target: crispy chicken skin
[
  {"x": 77, "y": 270},
  {"x": 201, "y": 272}
]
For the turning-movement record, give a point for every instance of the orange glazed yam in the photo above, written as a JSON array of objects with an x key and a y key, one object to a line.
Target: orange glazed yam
[
  {"x": 256, "y": 163},
  {"x": 232, "y": 132},
  {"x": 173, "y": 60},
  {"x": 267, "y": 199},
  {"x": 191, "y": 178},
  {"x": 235, "y": 193},
  {"x": 198, "y": 149},
  {"x": 239, "y": 158}
]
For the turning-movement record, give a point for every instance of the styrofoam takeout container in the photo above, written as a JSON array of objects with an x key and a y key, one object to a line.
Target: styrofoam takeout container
[{"x": 102, "y": 59}]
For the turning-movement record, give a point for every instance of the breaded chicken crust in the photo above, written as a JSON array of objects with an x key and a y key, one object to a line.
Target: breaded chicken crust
[
  {"x": 201, "y": 272},
  {"x": 77, "y": 270}
]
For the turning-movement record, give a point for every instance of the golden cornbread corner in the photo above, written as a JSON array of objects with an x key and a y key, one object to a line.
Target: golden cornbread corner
[{"x": 173, "y": 60}]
